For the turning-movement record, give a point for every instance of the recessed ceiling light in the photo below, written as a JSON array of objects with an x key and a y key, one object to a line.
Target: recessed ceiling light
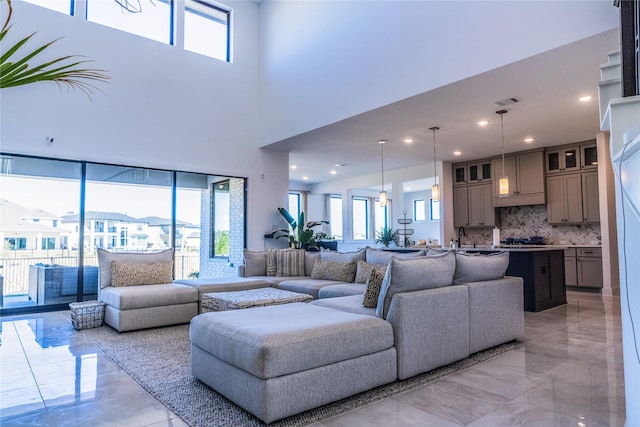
[
  {"x": 294, "y": 167},
  {"x": 408, "y": 140},
  {"x": 585, "y": 98},
  {"x": 528, "y": 140},
  {"x": 304, "y": 178},
  {"x": 340, "y": 165},
  {"x": 457, "y": 153},
  {"x": 483, "y": 122},
  {"x": 333, "y": 172}
]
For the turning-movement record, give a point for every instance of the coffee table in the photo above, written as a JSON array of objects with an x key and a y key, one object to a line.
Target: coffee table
[{"x": 236, "y": 300}]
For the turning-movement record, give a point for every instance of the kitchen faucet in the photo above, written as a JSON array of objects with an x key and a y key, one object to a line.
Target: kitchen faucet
[{"x": 461, "y": 233}]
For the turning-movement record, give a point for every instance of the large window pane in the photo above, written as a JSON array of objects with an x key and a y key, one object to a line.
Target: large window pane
[
  {"x": 39, "y": 253},
  {"x": 221, "y": 218},
  {"x": 62, "y": 6},
  {"x": 150, "y": 19},
  {"x": 335, "y": 221},
  {"x": 360, "y": 218},
  {"x": 380, "y": 215},
  {"x": 206, "y": 29},
  {"x": 192, "y": 191},
  {"x": 294, "y": 205},
  {"x": 419, "y": 210}
]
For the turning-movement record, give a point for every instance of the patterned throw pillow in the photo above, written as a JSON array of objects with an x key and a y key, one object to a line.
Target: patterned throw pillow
[
  {"x": 333, "y": 270},
  {"x": 290, "y": 262},
  {"x": 374, "y": 283},
  {"x": 272, "y": 262},
  {"x": 131, "y": 274},
  {"x": 363, "y": 271}
]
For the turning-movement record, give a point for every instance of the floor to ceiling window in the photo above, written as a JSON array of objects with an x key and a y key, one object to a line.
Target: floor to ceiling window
[{"x": 57, "y": 214}]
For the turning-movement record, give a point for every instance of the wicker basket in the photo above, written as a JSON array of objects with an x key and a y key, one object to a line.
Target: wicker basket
[{"x": 87, "y": 314}]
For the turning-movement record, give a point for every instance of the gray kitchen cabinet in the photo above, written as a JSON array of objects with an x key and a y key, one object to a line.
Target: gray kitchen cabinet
[
  {"x": 589, "y": 156},
  {"x": 460, "y": 174},
  {"x": 564, "y": 199},
  {"x": 480, "y": 204},
  {"x": 564, "y": 159},
  {"x": 479, "y": 172},
  {"x": 460, "y": 207},
  {"x": 526, "y": 179},
  {"x": 589, "y": 267},
  {"x": 590, "y": 197},
  {"x": 570, "y": 267}
]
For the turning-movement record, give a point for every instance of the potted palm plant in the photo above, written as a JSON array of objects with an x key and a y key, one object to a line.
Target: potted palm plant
[
  {"x": 300, "y": 234},
  {"x": 386, "y": 235}
]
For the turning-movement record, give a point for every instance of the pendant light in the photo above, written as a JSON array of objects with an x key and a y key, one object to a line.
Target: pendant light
[
  {"x": 503, "y": 183},
  {"x": 383, "y": 194},
  {"x": 435, "y": 189}
]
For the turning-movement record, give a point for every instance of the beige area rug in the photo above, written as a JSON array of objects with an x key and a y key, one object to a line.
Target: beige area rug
[{"x": 158, "y": 359}]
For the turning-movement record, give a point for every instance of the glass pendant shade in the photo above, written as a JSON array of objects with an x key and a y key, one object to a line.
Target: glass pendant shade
[
  {"x": 435, "y": 193},
  {"x": 383, "y": 199},
  {"x": 504, "y": 186}
]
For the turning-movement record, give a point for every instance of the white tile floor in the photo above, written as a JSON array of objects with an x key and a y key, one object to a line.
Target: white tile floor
[{"x": 567, "y": 371}]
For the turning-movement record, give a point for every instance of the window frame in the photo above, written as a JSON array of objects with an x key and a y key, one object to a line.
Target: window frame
[
  {"x": 217, "y": 8},
  {"x": 422, "y": 210},
  {"x": 367, "y": 214},
  {"x": 434, "y": 207},
  {"x": 212, "y": 228}
]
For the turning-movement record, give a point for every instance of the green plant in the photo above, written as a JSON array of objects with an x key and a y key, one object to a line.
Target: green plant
[
  {"x": 386, "y": 235},
  {"x": 300, "y": 234},
  {"x": 17, "y": 71},
  {"x": 194, "y": 275}
]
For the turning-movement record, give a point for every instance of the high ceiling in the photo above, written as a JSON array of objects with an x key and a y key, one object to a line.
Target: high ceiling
[{"x": 548, "y": 87}]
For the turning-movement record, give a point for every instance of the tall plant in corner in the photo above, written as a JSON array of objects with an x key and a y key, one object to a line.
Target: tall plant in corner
[
  {"x": 15, "y": 69},
  {"x": 300, "y": 234}
]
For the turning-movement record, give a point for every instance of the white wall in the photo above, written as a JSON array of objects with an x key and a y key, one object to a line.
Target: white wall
[
  {"x": 164, "y": 107},
  {"x": 323, "y": 61},
  {"x": 426, "y": 229}
]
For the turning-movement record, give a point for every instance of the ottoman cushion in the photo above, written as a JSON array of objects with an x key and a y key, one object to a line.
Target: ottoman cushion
[
  {"x": 132, "y": 297},
  {"x": 277, "y": 340}
]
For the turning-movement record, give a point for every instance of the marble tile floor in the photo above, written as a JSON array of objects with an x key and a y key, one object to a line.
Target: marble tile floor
[{"x": 567, "y": 371}]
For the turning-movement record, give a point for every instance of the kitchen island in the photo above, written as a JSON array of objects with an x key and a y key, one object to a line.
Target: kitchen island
[{"x": 541, "y": 268}]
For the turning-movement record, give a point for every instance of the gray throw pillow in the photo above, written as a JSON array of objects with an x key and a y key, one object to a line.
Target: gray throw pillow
[
  {"x": 478, "y": 268},
  {"x": 310, "y": 259},
  {"x": 105, "y": 258},
  {"x": 380, "y": 257},
  {"x": 332, "y": 270},
  {"x": 413, "y": 274},
  {"x": 374, "y": 284},
  {"x": 363, "y": 271},
  {"x": 327, "y": 255},
  {"x": 255, "y": 263}
]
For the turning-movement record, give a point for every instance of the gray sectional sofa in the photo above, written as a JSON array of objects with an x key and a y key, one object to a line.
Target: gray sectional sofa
[{"x": 377, "y": 317}]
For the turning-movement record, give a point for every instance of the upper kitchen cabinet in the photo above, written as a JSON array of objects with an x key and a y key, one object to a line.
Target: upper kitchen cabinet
[
  {"x": 589, "y": 155},
  {"x": 562, "y": 160},
  {"x": 526, "y": 179},
  {"x": 460, "y": 174},
  {"x": 479, "y": 172}
]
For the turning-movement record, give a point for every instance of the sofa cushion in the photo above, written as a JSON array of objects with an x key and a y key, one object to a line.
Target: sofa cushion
[
  {"x": 105, "y": 257},
  {"x": 255, "y": 263},
  {"x": 290, "y": 262},
  {"x": 350, "y": 304},
  {"x": 480, "y": 268},
  {"x": 135, "y": 297},
  {"x": 327, "y": 255},
  {"x": 374, "y": 284},
  {"x": 305, "y": 285},
  {"x": 310, "y": 259},
  {"x": 341, "y": 290},
  {"x": 273, "y": 341},
  {"x": 412, "y": 274},
  {"x": 135, "y": 274},
  {"x": 338, "y": 271},
  {"x": 380, "y": 257}
]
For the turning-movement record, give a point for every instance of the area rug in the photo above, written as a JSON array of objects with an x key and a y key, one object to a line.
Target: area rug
[{"x": 158, "y": 359}]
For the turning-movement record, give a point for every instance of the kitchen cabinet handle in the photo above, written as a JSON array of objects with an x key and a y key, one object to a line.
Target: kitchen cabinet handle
[{"x": 588, "y": 252}]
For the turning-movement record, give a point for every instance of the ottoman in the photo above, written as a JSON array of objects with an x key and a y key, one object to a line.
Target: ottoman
[
  {"x": 222, "y": 301},
  {"x": 280, "y": 360}
]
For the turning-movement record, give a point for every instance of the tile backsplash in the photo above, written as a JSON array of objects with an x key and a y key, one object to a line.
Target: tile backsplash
[{"x": 527, "y": 221}]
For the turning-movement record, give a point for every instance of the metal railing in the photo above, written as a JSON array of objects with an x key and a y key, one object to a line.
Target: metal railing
[{"x": 16, "y": 270}]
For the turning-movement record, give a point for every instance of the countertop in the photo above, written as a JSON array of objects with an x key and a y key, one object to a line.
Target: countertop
[{"x": 522, "y": 248}]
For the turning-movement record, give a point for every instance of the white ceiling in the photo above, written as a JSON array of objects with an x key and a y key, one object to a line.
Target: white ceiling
[{"x": 548, "y": 86}]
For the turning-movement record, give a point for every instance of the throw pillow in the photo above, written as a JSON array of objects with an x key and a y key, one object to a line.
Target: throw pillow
[
  {"x": 105, "y": 258},
  {"x": 332, "y": 270},
  {"x": 327, "y": 255},
  {"x": 478, "y": 268},
  {"x": 255, "y": 263},
  {"x": 290, "y": 262},
  {"x": 272, "y": 262},
  {"x": 310, "y": 259},
  {"x": 363, "y": 271},
  {"x": 374, "y": 283},
  {"x": 380, "y": 257},
  {"x": 132, "y": 274},
  {"x": 413, "y": 274}
]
